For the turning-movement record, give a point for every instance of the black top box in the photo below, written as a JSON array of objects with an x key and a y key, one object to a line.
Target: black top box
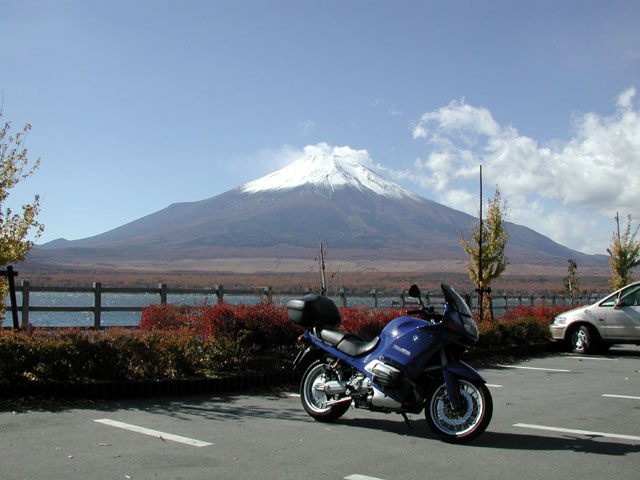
[{"x": 312, "y": 309}]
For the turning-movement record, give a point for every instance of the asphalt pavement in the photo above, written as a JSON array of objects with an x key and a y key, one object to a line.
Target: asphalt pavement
[{"x": 557, "y": 416}]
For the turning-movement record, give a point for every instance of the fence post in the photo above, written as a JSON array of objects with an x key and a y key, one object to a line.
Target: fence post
[
  {"x": 375, "y": 298},
  {"x": 267, "y": 293},
  {"x": 12, "y": 295},
  {"x": 402, "y": 299},
  {"x": 467, "y": 300},
  {"x": 163, "y": 293},
  {"x": 343, "y": 297},
  {"x": 97, "y": 304},
  {"x": 220, "y": 293},
  {"x": 25, "y": 303}
]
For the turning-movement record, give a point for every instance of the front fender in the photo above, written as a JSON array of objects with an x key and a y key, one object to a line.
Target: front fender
[
  {"x": 454, "y": 370},
  {"x": 462, "y": 370}
]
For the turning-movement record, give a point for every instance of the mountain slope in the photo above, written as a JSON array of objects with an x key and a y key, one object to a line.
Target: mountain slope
[{"x": 328, "y": 195}]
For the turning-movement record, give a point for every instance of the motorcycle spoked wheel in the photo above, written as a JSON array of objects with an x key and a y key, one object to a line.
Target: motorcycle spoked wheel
[
  {"x": 465, "y": 424},
  {"x": 314, "y": 397}
]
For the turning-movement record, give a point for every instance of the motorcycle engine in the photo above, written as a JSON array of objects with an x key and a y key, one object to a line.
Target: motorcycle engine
[
  {"x": 365, "y": 395},
  {"x": 386, "y": 376}
]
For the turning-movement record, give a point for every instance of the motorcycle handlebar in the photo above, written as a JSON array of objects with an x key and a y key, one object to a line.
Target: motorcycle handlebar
[{"x": 425, "y": 314}]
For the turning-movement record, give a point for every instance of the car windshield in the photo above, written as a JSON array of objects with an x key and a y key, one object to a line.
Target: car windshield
[{"x": 628, "y": 297}]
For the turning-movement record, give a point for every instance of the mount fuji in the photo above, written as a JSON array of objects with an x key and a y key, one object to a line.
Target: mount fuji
[{"x": 330, "y": 195}]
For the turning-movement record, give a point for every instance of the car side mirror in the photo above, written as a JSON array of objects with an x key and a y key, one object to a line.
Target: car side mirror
[{"x": 619, "y": 304}]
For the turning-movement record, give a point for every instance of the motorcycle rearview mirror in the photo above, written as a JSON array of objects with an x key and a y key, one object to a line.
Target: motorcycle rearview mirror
[{"x": 414, "y": 292}]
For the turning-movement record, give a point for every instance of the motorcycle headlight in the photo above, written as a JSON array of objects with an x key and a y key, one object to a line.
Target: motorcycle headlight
[{"x": 560, "y": 320}]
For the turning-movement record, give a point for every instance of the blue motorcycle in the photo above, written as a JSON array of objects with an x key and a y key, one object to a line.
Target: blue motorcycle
[{"x": 414, "y": 364}]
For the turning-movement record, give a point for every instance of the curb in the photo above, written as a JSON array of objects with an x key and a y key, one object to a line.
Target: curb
[
  {"x": 204, "y": 386},
  {"x": 147, "y": 388}
]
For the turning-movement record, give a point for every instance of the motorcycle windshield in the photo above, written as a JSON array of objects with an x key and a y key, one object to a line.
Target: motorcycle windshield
[{"x": 465, "y": 316}]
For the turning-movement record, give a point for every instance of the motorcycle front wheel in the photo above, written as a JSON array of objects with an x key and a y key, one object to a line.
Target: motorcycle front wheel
[
  {"x": 313, "y": 396},
  {"x": 459, "y": 425}
]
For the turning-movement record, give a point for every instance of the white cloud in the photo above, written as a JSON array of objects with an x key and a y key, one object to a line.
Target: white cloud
[{"x": 568, "y": 190}]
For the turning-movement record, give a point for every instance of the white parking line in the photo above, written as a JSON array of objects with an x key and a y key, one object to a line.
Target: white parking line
[
  {"x": 361, "y": 477},
  {"x": 577, "y": 432},
  {"x": 535, "y": 368},
  {"x": 153, "y": 433},
  {"x": 620, "y": 396},
  {"x": 592, "y": 358},
  {"x": 493, "y": 386}
]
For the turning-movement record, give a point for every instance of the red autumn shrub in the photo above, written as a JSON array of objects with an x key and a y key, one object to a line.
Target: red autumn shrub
[
  {"x": 260, "y": 324},
  {"x": 165, "y": 317},
  {"x": 366, "y": 322}
]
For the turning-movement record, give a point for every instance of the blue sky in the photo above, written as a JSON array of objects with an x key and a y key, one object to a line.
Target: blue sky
[{"x": 137, "y": 105}]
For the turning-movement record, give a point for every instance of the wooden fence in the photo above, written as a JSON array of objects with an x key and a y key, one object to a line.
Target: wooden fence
[{"x": 372, "y": 298}]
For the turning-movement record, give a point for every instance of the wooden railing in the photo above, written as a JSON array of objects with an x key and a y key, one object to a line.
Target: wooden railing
[
  {"x": 373, "y": 297},
  {"x": 97, "y": 290}
]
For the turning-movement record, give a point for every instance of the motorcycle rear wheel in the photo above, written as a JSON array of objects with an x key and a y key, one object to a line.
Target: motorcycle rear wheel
[
  {"x": 464, "y": 424},
  {"x": 313, "y": 396}
]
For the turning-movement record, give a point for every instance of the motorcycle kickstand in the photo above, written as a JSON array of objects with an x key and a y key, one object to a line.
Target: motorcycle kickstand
[{"x": 406, "y": 419}]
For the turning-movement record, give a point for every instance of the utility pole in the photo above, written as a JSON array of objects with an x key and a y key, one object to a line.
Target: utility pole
[
  {"x": 480, "y": 288},
  {"x": 323, "y": 292}
]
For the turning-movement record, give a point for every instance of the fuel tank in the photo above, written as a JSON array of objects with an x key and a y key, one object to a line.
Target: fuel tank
[{"x": 408, "y": 343}]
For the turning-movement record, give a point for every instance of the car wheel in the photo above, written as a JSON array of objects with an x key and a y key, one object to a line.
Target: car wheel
[{"x": 583, "y": 339}]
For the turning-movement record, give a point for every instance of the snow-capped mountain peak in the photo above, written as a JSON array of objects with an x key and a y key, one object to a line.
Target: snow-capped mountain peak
[{"x": 330, "y": 167}]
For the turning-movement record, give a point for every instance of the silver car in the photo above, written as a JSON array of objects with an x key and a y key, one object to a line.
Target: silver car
[{"x": 615, "y": 319}]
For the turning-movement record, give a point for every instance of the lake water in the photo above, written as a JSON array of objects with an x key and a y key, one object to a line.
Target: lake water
[{"x": 72, "y": 319}]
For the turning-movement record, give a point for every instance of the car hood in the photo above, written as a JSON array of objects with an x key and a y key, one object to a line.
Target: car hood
[{"x": 578, "y": 312}]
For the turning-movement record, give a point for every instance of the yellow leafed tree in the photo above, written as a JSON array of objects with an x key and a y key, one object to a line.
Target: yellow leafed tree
[
  {"x": 624, "y": 254},
  {"x": 492, "y": 239},
  {"x": 18, "y": 231}
]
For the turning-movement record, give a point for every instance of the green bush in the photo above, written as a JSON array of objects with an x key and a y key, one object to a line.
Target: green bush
[
  {"x": 206, "y": 341},
  {"x": 526, "y": 331}
]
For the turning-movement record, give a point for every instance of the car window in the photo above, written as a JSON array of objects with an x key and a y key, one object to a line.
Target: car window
[{"x": 631, "y": 297}]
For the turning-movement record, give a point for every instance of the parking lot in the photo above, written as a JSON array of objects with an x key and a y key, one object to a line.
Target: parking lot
[{"x": 563, "y": 416}]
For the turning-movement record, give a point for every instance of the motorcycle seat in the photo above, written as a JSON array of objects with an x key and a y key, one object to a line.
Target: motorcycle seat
[{"x": 346, "y": 342}]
